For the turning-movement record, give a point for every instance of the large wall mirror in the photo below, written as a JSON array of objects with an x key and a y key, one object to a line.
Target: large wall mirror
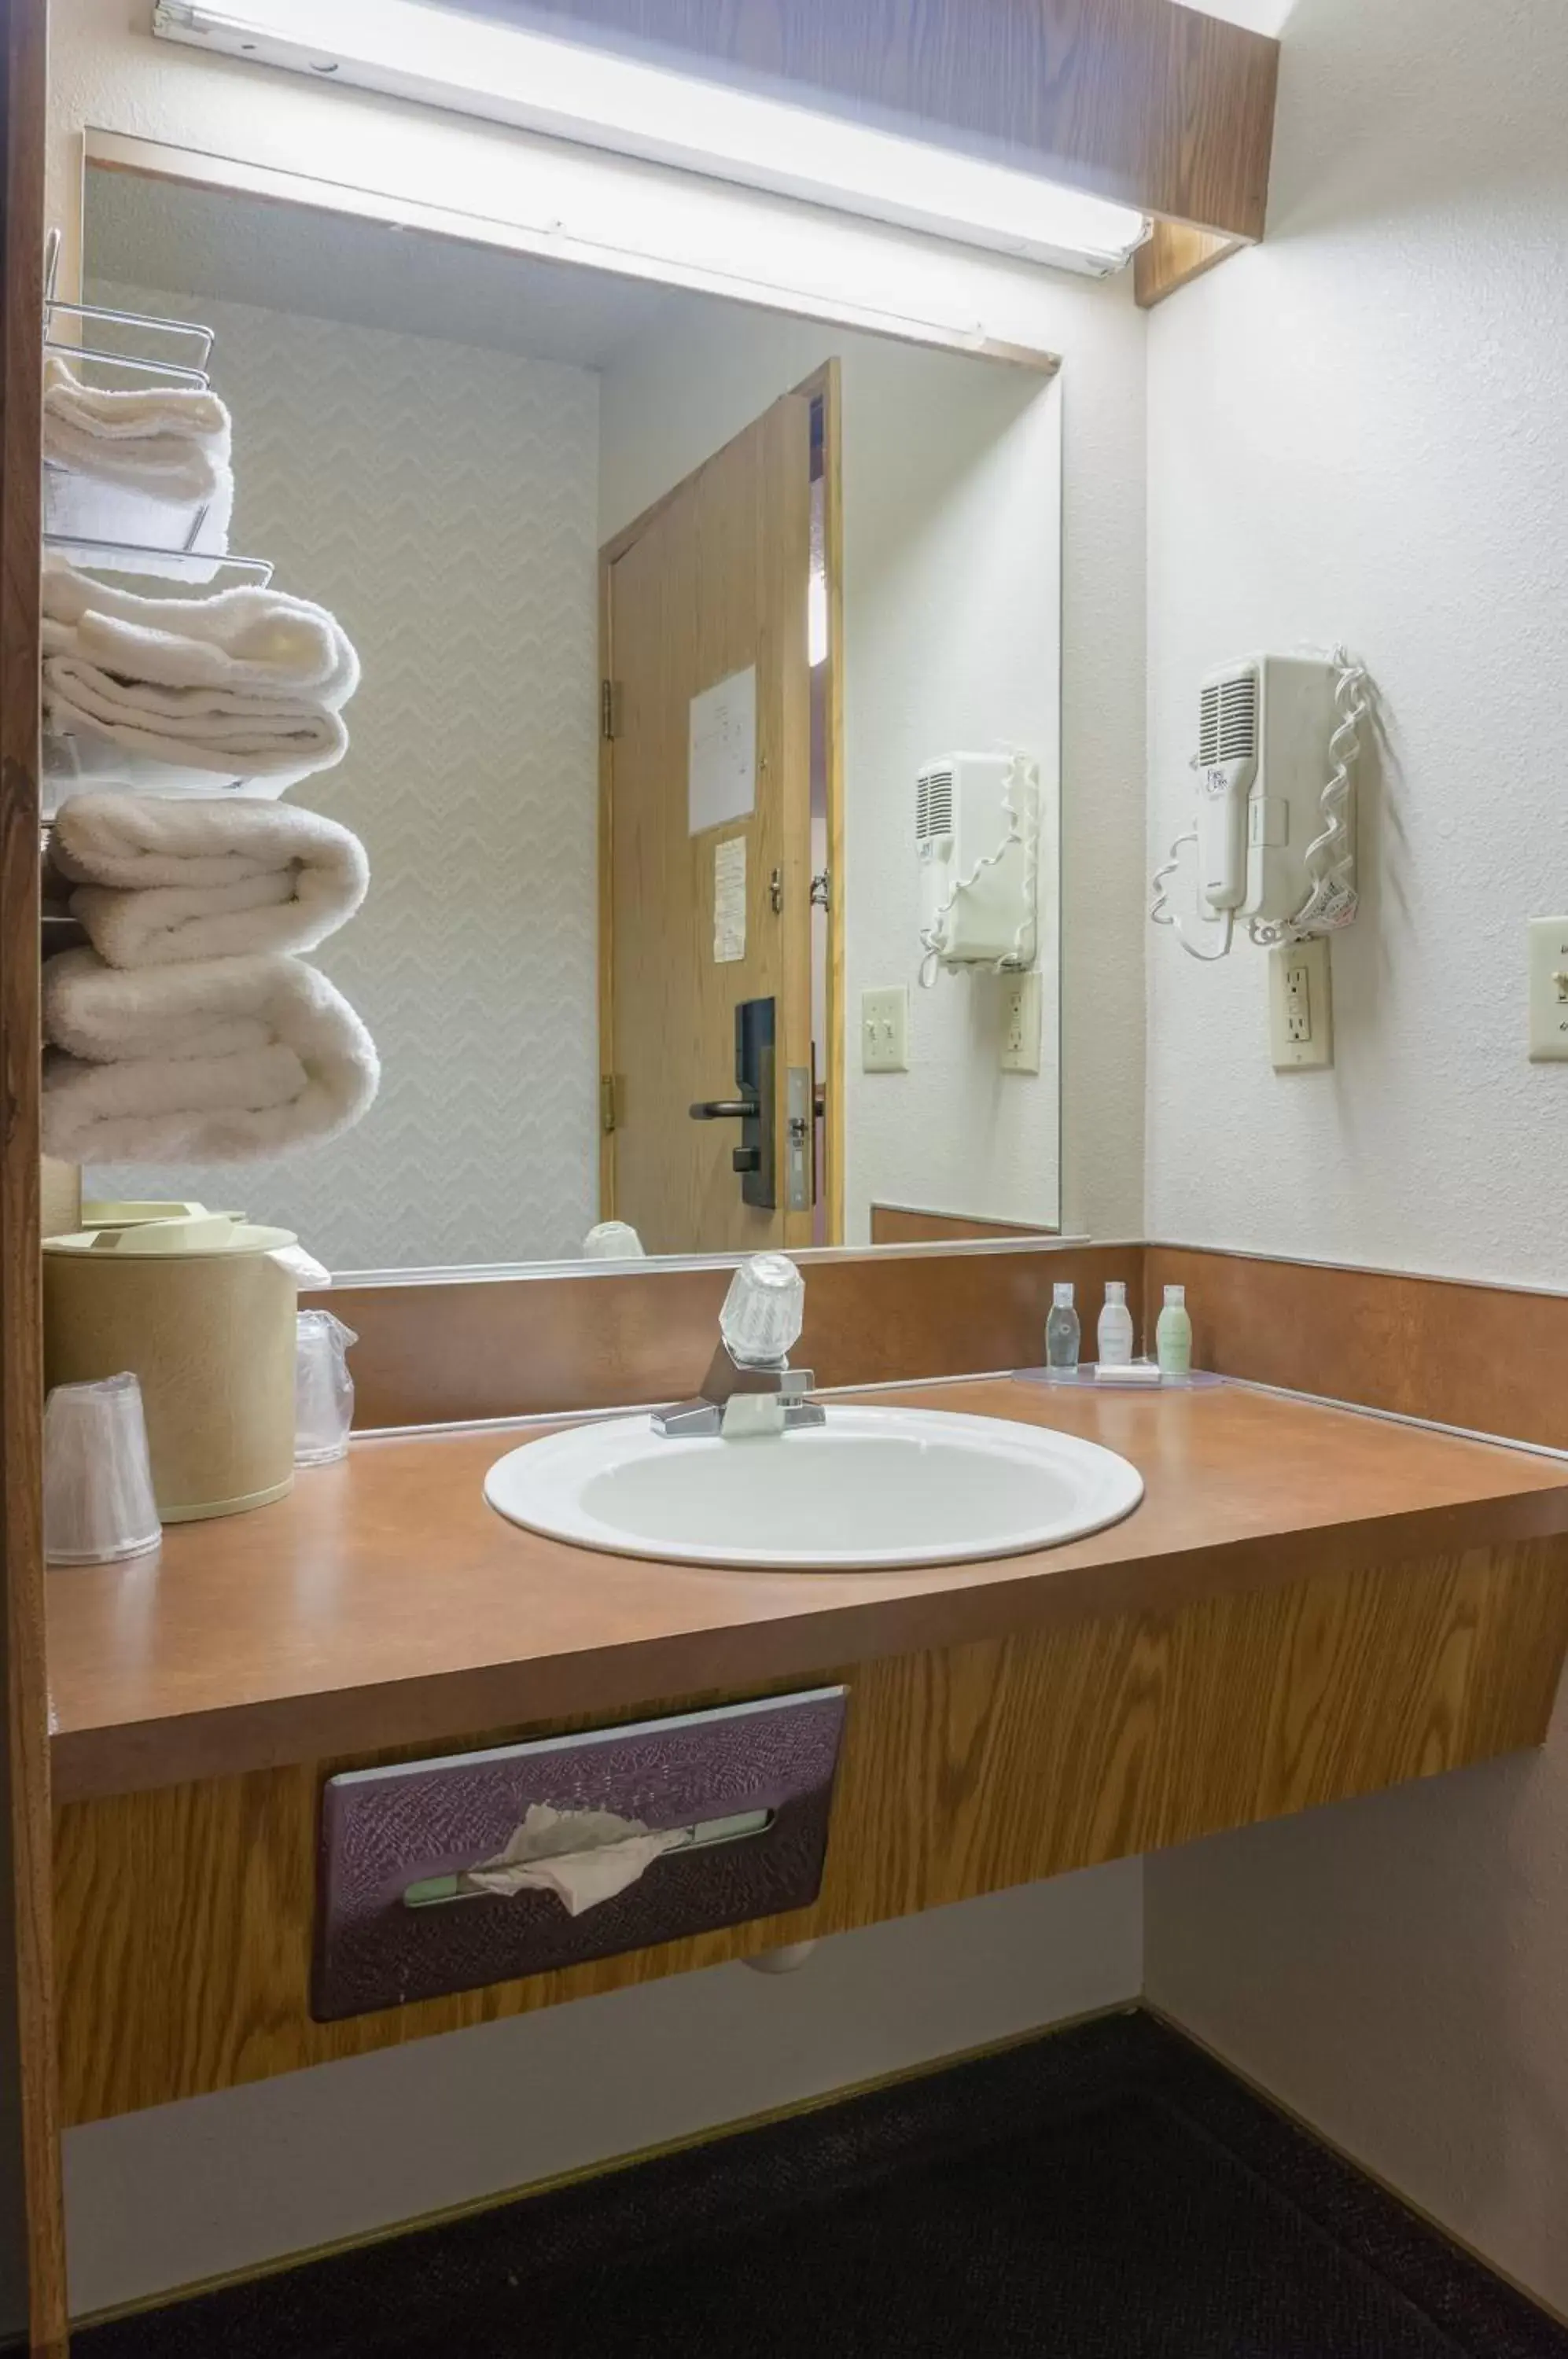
[{"x": 709, "y": 686}]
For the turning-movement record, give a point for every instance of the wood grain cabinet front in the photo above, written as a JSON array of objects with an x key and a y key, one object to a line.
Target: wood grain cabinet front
[{"x": 187, "y": 1915}]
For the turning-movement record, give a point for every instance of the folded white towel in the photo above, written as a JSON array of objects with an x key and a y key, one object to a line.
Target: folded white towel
[
  {"x": 259, "y": 736},
  {"x": 218, "y": 1061},
  {"x": 161, "y": 881},
  {"x": 245, "y": 642},
  {"x": 248, "y": 680},
  {"x": 170, "y": 442}
]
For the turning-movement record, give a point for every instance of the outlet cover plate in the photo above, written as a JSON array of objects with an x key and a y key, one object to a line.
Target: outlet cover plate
[
  {"x": 1301, "y": 1008},
  {"x": 1020, "y": 1022},
  {"x": 885, "y": 1029}
]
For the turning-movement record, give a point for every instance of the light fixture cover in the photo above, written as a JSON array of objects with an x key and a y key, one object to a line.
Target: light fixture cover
[{"x": 505, "y": 74}]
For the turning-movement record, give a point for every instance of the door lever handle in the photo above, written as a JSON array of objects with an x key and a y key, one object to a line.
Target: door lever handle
[{"x": 723, "y": 1109}]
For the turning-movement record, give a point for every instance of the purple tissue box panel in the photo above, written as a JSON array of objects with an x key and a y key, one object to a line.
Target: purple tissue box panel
[{"x": 383, "y": 1831}]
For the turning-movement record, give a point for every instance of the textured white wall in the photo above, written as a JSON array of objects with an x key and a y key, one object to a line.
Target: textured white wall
[
  {"x": 443, "y": 501},
  {"x": 1355, "y": 431},
  {"x": 1349, "y": 437},
  {"x": 185, "y": 2192},
  {"x": 951, "y": 605}
]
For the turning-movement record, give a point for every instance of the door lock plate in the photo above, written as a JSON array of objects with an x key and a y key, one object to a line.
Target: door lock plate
[{"x": 798, "y": 1144}]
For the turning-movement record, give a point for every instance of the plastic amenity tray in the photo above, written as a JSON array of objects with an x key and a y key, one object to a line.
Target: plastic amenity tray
[{"x": 1196, "y": 1380}]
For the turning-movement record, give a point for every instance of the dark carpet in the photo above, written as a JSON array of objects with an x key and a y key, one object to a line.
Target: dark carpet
[{"x": 1108, "y": 2192}]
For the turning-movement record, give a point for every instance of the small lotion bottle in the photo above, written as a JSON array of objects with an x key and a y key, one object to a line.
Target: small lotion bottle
[
  {"x": 1174, "y": 1334},
  {"x": 1062, "y": 1333},
  {"x": 1116, "y": 1327}
]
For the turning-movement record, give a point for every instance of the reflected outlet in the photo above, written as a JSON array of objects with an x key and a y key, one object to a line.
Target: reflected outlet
[{"x": 1020, "y": 1023}]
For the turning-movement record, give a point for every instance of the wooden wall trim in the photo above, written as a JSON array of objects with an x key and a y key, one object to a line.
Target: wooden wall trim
[
  {"x": 447, "y": 1351},
  {"x": 1174, "y": 255},
  {"x": 1451, "y": 1350},
  {"x": 1455, "y": 1350},
  {"x": 30, "y": 2125},
  {"x": 1147, "y": 102},
  {"x": 902, "y": 1224}
]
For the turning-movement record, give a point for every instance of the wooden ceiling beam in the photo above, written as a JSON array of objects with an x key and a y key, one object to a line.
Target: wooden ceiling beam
[{"x": 1147, "y": 102}]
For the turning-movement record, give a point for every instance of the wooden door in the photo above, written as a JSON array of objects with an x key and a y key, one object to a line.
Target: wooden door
[{"x": 710, "y": 585}]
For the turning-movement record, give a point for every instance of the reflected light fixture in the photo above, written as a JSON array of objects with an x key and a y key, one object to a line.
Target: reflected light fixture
[{"x": 505, "y": 74}]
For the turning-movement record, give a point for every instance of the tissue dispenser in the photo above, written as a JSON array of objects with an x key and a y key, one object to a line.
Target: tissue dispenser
[{"x": 394, "y": 1923}]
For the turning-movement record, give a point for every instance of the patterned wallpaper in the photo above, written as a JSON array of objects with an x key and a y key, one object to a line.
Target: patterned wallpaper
[{"x": 443, "y": 500}]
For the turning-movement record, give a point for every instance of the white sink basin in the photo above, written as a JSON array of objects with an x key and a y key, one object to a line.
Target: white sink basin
[{"x": 873, "y": 1487}]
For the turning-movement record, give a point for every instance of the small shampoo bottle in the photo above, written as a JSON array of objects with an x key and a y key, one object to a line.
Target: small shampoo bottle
[
  {"x": 1062, "y": 1334},
  {"x": 1174, "y": 1334},
  {"x": 1116, "y": 1327}
]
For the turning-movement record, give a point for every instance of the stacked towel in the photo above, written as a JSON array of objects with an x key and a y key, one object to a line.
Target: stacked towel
[
  {"x": 171, "y": 442},
  {"x": 247, "y": 680},
  {"x": 209, "y": 1062},
  {"x": 161, "y": 881}
]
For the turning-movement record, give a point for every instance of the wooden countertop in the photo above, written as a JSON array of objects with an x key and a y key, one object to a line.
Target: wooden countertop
[{"x": 384, "y": 1604}]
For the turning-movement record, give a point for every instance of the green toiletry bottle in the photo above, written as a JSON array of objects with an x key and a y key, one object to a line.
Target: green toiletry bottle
[{"x": 1174, "y": 1334}]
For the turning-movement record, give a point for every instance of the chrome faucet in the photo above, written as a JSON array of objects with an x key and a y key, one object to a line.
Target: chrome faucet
[{"x": 750, "y": 1388}]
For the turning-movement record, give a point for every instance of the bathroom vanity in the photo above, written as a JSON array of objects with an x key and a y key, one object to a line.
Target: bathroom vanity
[
  {"x": 1309, "y": 1603},
  {"x": 652, "y": 911}
]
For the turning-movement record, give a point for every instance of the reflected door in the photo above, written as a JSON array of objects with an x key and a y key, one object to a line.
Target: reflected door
[{"x": 705, "y": 851}]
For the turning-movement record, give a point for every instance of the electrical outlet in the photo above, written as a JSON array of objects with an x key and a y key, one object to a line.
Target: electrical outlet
[
  {"x": 885, "y": 1029},
  {"x": 1548, "y": 989},
  {"x": 1300, "y": 1010},
  {"x": 1020, "y": 1023}
]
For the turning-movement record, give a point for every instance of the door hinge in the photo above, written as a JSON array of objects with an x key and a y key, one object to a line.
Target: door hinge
[
  {"x": 609, "y": 1101},
  {"x": 609, "y": 708},
  {"x": 822, "y": 890}
]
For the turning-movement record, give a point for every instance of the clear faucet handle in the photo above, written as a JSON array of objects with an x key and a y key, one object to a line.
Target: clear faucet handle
[{"x": 764, "y": 1310}]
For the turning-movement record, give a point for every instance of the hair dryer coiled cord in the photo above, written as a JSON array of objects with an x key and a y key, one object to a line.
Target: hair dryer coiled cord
[
  {"x": 1021, "y": 805},
  {"x": 1160, "y": 913},
  {"x": 1332, "y": 899}
]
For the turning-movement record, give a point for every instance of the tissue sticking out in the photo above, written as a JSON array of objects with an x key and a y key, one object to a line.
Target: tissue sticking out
[{"x": 583, "y": 1857}]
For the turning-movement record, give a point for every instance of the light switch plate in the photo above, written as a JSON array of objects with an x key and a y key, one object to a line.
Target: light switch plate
[
  {"x": 1300, "y": 1007},
  {"x": 885, "y": 1029},
  {"x": 1020, "y": 1023},
  {"x": 1548, "y": 990}
]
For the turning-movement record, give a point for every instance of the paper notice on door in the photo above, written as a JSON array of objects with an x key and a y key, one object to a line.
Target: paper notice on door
[
  {"x": 729, "y": 900},
  {"x": 721, "y": 772}
]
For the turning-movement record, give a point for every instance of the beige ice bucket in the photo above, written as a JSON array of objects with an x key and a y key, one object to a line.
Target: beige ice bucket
[{"x": 197, "y": 1308}]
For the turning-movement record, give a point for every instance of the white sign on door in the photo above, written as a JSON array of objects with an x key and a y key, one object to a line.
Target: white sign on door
[
  {"x": 729, "y": 899},
  {"x": 721, "y": 776}
]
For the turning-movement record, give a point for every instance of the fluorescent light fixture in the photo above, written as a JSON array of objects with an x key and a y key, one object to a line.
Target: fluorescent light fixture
[{"x": 476, "y": 66}]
